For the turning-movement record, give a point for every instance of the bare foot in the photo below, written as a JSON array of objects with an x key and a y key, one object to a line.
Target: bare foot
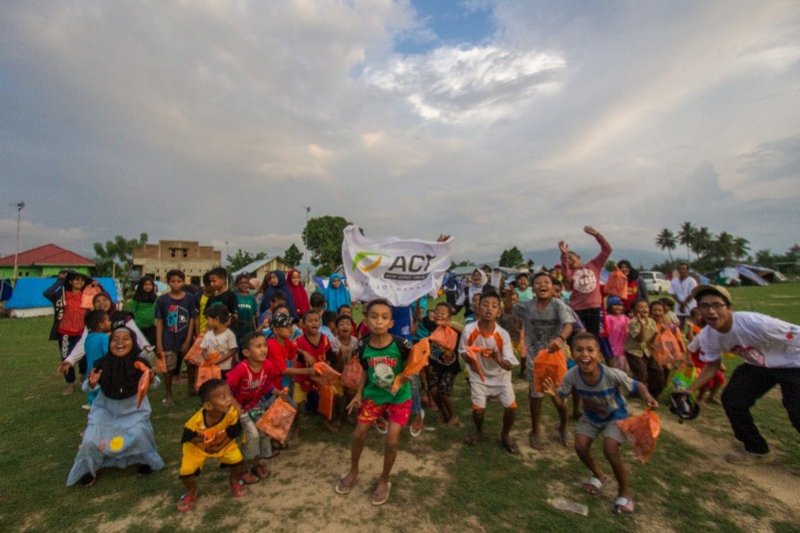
[
  {"x": 454, "y": 422},
  {"x": 472, "y": 439}
]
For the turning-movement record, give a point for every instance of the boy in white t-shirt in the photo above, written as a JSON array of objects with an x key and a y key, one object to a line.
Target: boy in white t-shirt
[
  {"x": 219, "y": 342},
  {"x": 490, "y": 373},
  {"x": 771, "y": 351}
]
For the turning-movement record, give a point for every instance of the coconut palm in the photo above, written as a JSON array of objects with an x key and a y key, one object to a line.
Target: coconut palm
[
  {"x": 724, "y": 247},
  {"x": 740, "y": 248},
  {"x": 686, "y": 237},
  {"x": 666, "y": 241},
  {"x": 702, "y": 242}
]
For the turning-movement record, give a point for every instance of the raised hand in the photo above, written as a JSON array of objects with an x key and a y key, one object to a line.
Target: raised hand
[
  {"x": 563, "y": 247},
  {"x": 591, "y": 231}
]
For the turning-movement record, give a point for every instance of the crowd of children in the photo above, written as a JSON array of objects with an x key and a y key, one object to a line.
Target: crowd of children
[{"x": 242, "y": 351}]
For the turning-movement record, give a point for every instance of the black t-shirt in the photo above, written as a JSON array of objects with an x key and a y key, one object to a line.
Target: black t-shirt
[{"x": 228, "y": 299}]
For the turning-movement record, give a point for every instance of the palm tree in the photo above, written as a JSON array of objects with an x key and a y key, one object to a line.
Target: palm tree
[
  {"x": 686, "y": 237},
  {"x": 724, "y": 247},
  {"x": 702, "y": 242},
  {"x": 740, "y": 248},
  {"x": 666, "y": 241}
]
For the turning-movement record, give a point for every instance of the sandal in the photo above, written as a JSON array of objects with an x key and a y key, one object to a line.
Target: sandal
[
  {"x": 261, "y": 472},
  {"x": 237, "y": 489},
  {"x": 186, "y": 502},
  {"x": 248, "y": 478},
  {"x": 623, "y": 505},
  {"x": 594, "y": 485},
  {"x": 381, "y": 425},
  {"x": 418, "y": 425},
  {"x": 510, "y": 446},
  {"x": 342, "y": 488},
  {"x": 380, "y": 501}
]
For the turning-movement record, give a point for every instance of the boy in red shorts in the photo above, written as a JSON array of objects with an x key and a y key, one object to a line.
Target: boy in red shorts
[{"x": 383, "y": 357}]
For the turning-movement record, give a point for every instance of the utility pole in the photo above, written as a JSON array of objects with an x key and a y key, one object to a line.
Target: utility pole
[
  {"x": 305, "y": 248},
  {"x": 19, "y": 206}
]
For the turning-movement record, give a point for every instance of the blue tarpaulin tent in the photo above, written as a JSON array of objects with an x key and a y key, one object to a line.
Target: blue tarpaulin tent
[{"x": 27, "y": 300}]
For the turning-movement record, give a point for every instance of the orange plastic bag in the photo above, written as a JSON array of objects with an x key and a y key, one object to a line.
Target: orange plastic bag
[
  {"x": 206, "y": 372},
  {"x": 326, "y": 375},
  {"x": 195, "y": 353},
  {"x": 444, "y": 336},
  {"x": 551, "y": 365},
  {"x": 417, "y": 360},
  {"x": 352, "y": 374},
  {"x": 617, "y": 284},
  {"x": 642, "y": 432},
  {"x": 161, "y": 365},
  {"x": 144, "y": 383},
  {"x": 325, "y": 406},
  {"x": 667, "y": 348},
  {"x": 277, "y": 420},
  {"x": 471, "y": 357}
]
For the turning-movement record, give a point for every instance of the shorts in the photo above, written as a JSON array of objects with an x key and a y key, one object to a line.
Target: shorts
[
  {"x": 480, "y": 391},
  {"x": 609, "y": 430},
  {"x": 442, "y": 381},
  {"x": 173, "y": 362},
  {"x": 194, "y": 457},
  {"x": 397, "y": 413}
]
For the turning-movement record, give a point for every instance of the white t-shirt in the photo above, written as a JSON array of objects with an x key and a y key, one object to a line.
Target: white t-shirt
[
  {"x": 760, "y": 340},
  {"x": 499, "y": 340},
  {"x": 220, "y": 344},
  {"x": 682, "y": 289}
]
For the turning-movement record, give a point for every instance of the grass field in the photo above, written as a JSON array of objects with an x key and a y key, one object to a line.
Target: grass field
[{"x": 438, "y": 484}]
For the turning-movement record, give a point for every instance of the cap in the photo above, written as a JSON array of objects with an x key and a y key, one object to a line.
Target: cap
[
  {"x": 613, "y": 300},
  {"x": 280, "y": 320},
  {"x": 702, "y": 290}
]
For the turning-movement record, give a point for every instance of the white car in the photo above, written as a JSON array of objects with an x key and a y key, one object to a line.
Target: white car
[{"x": 655, "y": 281}]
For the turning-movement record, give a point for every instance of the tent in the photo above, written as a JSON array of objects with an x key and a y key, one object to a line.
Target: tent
[{"x": 27, "y": 301}]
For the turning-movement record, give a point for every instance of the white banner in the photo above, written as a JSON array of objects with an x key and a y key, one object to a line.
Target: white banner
[{"x": 402, "y": 271}]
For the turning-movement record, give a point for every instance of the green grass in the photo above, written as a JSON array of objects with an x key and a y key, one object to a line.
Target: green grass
[{"x": 679, "y": 488}]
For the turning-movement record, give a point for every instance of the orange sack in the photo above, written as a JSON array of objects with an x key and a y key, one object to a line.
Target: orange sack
[
  {"x": 417, "y": 360},
  {"x": 668, "y": 350},
  {"x": 206, "y": 372},
  {"x": 444, "y": 336},
  {"x": 325, "y": 373},
  {"x": 325, "y": 406},
  {"x": 352, "y": 374},
  {"x": 144, "y": 383},
  {"x": 195, "y": 353},
  {"x": 641, "y": 431},
  {"x": 277, "y": 420},
  {"x": 551, "y": 365},
  {"x": 471, "y": 357}
]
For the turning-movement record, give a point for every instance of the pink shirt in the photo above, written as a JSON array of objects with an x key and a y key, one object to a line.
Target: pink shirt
[
  {"x": 585, "y": 281},
  {"x": 616, "y": 327}
]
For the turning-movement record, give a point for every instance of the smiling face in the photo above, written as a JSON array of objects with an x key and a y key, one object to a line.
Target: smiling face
[
  {"x": 522, "y": 282},
  {"x": 543, "y": 288},
  {"x": 77, "y": 283},
  {"x": 574, "y": 260},
  {"x": 273, "y": 280},
  {"x": 716, "y": 313},
  {"x": 642, "y": 309},
  {"x": 147, "y": 286},
  {"x": 586, "y": 353},
  {"x": 657, "y": 312},
  {"x": 121, "y": 343},
  {"x": 102, "y": 303},
  {"x": 476, "y": 278},
  {"x": 295, "y": 279},
  {"x": 312, "y": 322}
]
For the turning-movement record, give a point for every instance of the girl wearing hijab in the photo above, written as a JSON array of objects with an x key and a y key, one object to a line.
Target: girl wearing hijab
[
  {"x": 275, "y": 281},
  {"x": 336, "y": 294},
  {"x": 477, "y": 282},
  {"x": 637, "y": 290},
  {"x": 298, "y": 292},
  {"x": 118, "y": 434}
]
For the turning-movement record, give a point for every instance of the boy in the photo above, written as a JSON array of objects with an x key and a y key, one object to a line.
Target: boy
[
  {"x": 175, "y": 316},
  {"x": 548, "y": 324},
  {"x": 314, "y": 347},
  {"x": 383, "y": 356},
  {"x": 603, "y": 405},
  {"x": 343, "y": 346},
  {"x": 328, "y": 324},
  {"x": 211, "y": 433},
  {"x": 246, "y": 310},
  {"x": 96, "y": 345},
  {"x": 496, "y": 361},
  {"x": 218, "y": 278},
  {"x": 276, "y": 299},
  {"x": 444, "y": 367}
]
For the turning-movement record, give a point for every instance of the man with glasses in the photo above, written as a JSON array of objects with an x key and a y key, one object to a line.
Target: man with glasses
[{"x": 771, "y": 351}]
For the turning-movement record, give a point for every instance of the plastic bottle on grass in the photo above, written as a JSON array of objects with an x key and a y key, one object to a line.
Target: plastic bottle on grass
[{"x": 568, "y": 505}]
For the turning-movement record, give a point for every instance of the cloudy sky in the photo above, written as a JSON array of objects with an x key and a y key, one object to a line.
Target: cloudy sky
[{"x": 500, "y": 122}]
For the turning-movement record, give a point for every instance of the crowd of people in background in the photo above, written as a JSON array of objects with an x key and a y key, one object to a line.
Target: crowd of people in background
[{"x": 245, "y": 345}]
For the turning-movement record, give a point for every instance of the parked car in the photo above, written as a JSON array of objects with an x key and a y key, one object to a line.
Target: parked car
[{"x": 655, "y": 281}]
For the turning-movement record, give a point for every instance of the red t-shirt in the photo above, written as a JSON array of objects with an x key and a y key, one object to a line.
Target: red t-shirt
[
  {"x": 280, "y": 353},
  {"x": 248, "y": 386},
  {"x": 318, "y": 351},
  {"x": 72, "y": 322}
]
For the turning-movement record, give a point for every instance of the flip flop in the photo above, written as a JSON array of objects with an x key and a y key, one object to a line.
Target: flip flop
[
  {"x": 341, "y": 488},
  {"x": 594, "y": 485},
  {"x": 186, "y": 502},
  {"x": 623, "y": 505},
  {"x": 375, "y": 501}
]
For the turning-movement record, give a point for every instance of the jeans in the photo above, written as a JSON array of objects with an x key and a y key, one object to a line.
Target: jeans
[{"x": 749, "y": 383}]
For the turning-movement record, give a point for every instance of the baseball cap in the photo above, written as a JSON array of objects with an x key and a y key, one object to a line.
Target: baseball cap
[
  {"x": 280, "y": 320},
  {"x": 702, "y": 290}
]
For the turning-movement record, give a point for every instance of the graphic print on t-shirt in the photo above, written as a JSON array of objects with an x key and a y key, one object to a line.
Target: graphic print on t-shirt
[
  {"x": 750, "y": 354},
  {"x": 383, "y": 370},
  {"x": 584, "y": 280},
  {"x": 177, "y": 318}
]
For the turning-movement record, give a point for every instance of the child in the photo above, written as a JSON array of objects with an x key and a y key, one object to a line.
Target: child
[
  {"x": 298, "y": 292},
  {"x": 694, "y": 324},
  {"x": 523, "y": 288},
  {"x": 314, "y": 347},
  {"x": 219, "y": 343},
  {"x": 275, "y": 281},
  {"x": 496, "y": 367},
  {"x": 343, "y": 346},
  {"x": 317, "y": 301},
  {"x": 670, "y": 318},
  {"x": 251, "y": 386},
  {"x": 470, "y": 312},
  {"x": 118, "y": 434},
  {"x": 246, "y": 310},
  {"x": 328, "y": 326},
  {"x": 642, "y": 330},
  {"x": 513, "y": 325},
  {"x": 603, "y": 405},
  {"x": 276, "y": 299},
  {"x": 143, "y": 308},
  {"x": 336, "y": 293},
  {"x": 218, "y": 278},
  {"x": 91, "y": 290},
  {"x": 444, "y": 368},
  {"x": 175, "y": 315},
  {"x": 202, "y": 303},
  {"x": 211, "y": 433},
  {"x": 68, "y": 324},
  {"x": 96, "y": 344},
  {"x": 383, "y": 356},
  {"x": 615, "y": 324}
]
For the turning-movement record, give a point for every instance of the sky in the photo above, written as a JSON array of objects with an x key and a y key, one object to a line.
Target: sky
[{"x": 502, "y": 123}]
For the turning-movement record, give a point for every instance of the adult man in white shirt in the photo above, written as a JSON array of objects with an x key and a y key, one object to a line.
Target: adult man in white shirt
[
  {"x": 771, "y": 352},
  {"x": 681, "y": 289}
]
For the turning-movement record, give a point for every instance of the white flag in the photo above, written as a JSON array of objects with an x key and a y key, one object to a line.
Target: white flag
[{"x": 402, "y": 271}]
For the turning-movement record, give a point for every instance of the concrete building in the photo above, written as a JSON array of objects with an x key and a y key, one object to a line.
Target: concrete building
[
  {"x": 262, "y": 267},
  {"x": 158, "y": 259}
]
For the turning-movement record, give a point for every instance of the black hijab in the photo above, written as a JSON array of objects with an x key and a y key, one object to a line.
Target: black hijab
[{"x": 120, "y": 378}]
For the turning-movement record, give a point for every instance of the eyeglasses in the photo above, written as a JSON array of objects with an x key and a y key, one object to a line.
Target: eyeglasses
[{"x": 716, "y": 306}]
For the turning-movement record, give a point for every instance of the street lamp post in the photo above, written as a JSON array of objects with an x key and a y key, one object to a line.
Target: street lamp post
[
  {"x": 305, "y": 247},
  {"x": 19, "y": 206}
]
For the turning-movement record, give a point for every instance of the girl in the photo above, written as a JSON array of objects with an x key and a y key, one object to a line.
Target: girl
[
  {"x": 68, "y": 323},
  {"x": 298, "y": 292},
  {"x": 668, "y": 348},
  {"x": 119, "y": 433},
  {"x": 276, "y": 281},
  {"x": 336, "y": 294},
  {"x": 478, "y": 281},
  {"x": 642, "y": 331},
  {"x": 143, "y": 308},
  {"x": 637, "y": 290},
  {"x": 247, "y": 308},
  {"x": 219, "y": 343},
  {"x": 615, "y": 325}
]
